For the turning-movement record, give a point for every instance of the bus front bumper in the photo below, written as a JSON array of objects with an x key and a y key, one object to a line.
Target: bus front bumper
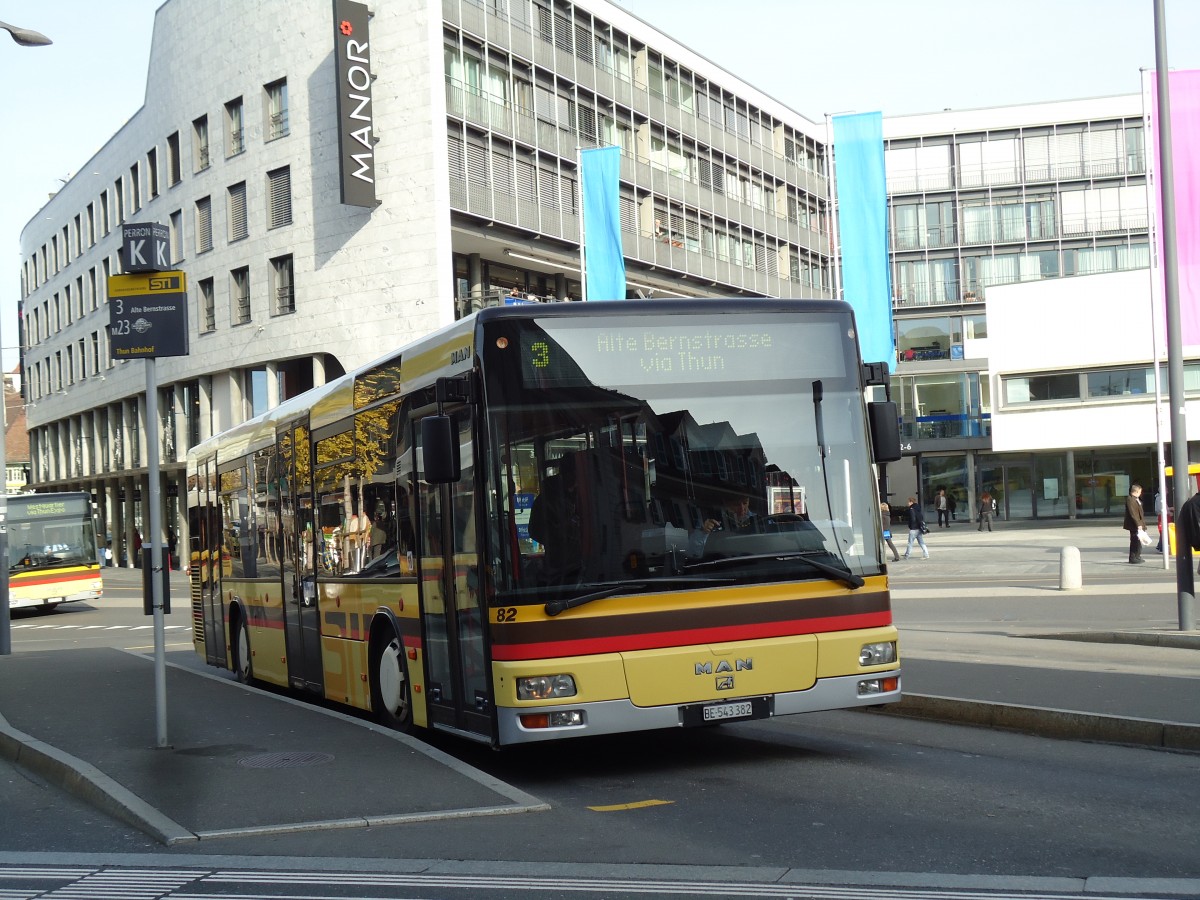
[{"x": 617, "y": 716}]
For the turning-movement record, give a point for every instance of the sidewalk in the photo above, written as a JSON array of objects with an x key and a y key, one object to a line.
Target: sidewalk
[
  {"x": 986, "y": 638},
  {"x": 85, "y": 720}
]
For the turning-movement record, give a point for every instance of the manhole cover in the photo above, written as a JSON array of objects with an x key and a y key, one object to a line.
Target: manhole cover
[{"x": 284, "y": 760}]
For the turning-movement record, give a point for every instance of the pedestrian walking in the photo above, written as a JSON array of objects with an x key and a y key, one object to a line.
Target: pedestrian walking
[
  {"x": 1158, "y": 519},
  {"x": 942, "y": 505},
  {"x": 987, "y": 506},
  {"x": 1135, "y": 522},
  {"x": 953, "y": 504},
  {"x": 885, "y": 513},
  {"x": 916, "y": 528}
]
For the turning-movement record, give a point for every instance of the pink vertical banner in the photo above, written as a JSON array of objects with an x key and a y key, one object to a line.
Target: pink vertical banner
[{"x": 1185, "y": 162}]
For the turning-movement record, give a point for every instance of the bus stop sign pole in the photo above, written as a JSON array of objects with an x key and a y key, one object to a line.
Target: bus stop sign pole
[
  {"x": 155, "y": 559},
  {"x": 147, "y": 319}
]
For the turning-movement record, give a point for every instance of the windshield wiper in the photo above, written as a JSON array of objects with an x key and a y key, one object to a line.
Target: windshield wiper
[
  {"x": 838, "y": 573},
  {"x": 554, "y": 607}
]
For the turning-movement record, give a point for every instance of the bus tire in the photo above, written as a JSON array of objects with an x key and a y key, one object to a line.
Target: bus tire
[
  {"x": 391, "y": 691},
  {"x": 243, "y": 668}
]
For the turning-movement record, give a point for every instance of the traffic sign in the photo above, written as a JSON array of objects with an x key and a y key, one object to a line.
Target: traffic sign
[{"x": 147, "y": 315}]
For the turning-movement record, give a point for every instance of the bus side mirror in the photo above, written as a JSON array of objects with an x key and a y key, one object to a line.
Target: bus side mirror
[
  {"x": 439, "y": 450},
  {"x": 884, "y": 420}
]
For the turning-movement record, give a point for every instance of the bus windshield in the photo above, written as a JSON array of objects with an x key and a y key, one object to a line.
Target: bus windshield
[
  {"x": 658, "y": 452},
  {"x": 46, "y": 531}
]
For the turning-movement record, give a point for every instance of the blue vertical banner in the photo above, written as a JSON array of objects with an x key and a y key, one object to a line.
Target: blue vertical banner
[
  {"x": 860, "y": 186},
  {"x": 603, "y": 257}
]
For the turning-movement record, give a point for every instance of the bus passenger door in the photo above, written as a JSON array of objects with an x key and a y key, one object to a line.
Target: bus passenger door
[
  {"x": 458, "y": 690},
  {"x": 301, "y": 617},
  {"x": 205, "y": 527}
]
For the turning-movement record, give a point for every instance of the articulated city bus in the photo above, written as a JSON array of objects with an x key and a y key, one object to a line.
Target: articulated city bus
[
  {"x": 563, "y": 519},
  {"x": 53, "y": 555}
]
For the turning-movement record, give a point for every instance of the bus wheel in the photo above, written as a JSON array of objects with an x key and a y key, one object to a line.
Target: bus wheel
[
  {"x": 242, "y": 667},
  {"x": 390, "y": 690}
]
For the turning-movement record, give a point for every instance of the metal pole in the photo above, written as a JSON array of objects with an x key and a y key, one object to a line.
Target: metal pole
[
  {"x": 154, "y": 495},
  {"x": 1184, "y": 580},
  {"x": 26, "y": 37},
  {"x": 831, "y": 185},
  {"x": 5, "y": 612},
  {"x": 582, "y": 225}
]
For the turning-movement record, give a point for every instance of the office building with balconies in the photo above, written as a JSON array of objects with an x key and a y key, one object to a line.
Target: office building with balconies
[
  {"x": 461, "y": 189},
  {"x": 981, "y": 203}
]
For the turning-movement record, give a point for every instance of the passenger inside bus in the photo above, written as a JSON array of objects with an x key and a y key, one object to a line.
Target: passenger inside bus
[{"x": 555, "y": 521}]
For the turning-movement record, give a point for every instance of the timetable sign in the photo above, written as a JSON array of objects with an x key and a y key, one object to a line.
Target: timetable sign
[{"x": 147, "y": 315}]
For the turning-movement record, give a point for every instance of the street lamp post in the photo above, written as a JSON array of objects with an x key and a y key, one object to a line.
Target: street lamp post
[{"x": 26, "y": 37}]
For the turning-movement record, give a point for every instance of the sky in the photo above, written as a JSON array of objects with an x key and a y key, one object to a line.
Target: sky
[{"x": 61, "y": 103}]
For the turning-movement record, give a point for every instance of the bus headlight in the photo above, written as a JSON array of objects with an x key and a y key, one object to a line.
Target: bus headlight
[
  {"x": 877, "y": 654},
  {"x": 545, "y": 687}
]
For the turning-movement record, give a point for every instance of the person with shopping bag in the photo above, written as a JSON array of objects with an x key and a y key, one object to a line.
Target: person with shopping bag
[{"x": 1135, "y": 523}]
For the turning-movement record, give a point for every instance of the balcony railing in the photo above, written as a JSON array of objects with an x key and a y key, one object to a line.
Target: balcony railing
[
  {"x": 945, "y": 426},
  {"x": 943, "y": 178}
]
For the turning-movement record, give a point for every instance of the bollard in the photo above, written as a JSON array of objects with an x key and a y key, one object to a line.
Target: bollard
[{"x": 1070, "y": 575}]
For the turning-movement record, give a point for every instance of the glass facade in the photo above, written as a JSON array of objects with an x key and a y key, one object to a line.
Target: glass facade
[{"x": 1011, "y": 204}]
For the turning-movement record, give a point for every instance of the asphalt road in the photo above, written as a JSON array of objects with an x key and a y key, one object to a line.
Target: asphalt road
[{"x": 892, "y": 799}]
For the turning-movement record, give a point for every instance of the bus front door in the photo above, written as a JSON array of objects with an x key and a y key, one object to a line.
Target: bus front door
[{"x": 458, "y": 690}]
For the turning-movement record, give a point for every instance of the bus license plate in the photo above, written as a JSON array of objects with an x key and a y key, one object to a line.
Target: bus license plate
[{"x": 717, "y": 713}]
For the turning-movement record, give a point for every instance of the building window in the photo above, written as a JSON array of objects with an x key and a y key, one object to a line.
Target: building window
[
  {"x": 135, "y": 188},
  {"x": 1036, "y": 388},
  {"x": 104, "y": 213},
  {"x": 283, "y": 291},
  {"x": 152, "y": 173},
  {"x": 176, "y": 229},
  {"x": 174, "y": 171},
  {"x": 279, "y": 193},
  {"x": 239, "y": 295},
  {"x": 235, "y": 132},
  {"x": 276, "y": 125},
  {"x": 237, "y": 212},
  {"x": 119, "y": 201},
  {"x": 200, "y": 142},
  {"x": 208, "y": 306},
  {"x": 204, "y": 237}
]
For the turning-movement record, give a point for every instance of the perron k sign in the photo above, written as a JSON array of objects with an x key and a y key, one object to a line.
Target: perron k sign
[
  {"x": 356, "y": 124},
  {"x": 145, "y": 247}
]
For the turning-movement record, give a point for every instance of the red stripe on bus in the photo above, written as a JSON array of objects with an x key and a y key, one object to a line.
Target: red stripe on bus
[
  {"x": 655, "y": 640},
  {"x": 54, "y": 577}
]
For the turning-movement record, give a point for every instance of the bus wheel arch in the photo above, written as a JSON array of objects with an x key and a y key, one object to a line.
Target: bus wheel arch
[
  {"x": 391, "y": 688},
  {"x": 241, "y": 656}
]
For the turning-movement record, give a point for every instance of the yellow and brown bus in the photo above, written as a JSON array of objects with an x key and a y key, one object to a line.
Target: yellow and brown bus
[
  {"x": 516, "y": 529},
  {"x": 53, "y": 554}
]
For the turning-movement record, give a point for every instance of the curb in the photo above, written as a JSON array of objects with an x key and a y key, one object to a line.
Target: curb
[
  {"x": 83, "y": 780},
  {"x": 1180, "y": 640},
  {"x": 1052, "y": 723}
]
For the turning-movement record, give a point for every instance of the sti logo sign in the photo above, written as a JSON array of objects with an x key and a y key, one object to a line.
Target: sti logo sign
[
  {"x": 145, "y": 247},
  {"x": 356, "y": 123},
  {"x": 147, "y": 315}
]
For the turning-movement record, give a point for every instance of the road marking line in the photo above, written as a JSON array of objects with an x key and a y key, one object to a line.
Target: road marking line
[{"x": 637, "y": 805}]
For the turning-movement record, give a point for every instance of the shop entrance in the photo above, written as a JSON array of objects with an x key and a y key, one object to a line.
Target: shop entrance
[{"x": 1011, "y": 483}]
